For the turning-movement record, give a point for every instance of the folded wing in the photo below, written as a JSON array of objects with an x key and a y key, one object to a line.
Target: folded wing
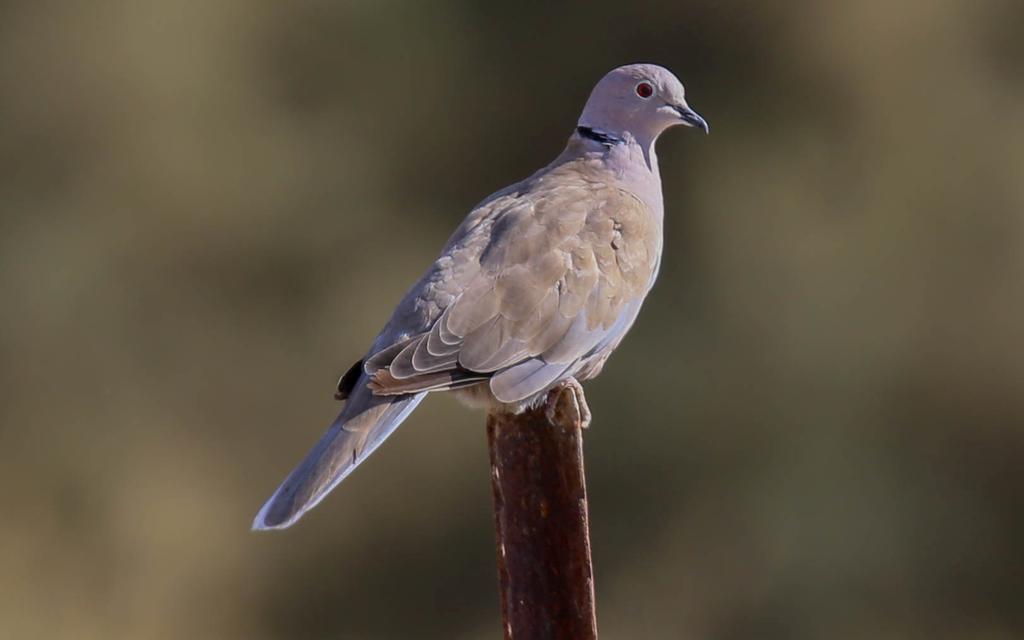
[{"x": 560, "y": 276}]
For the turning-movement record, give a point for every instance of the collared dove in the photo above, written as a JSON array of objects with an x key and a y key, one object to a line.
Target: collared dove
[{"x": 533, "y": 291}]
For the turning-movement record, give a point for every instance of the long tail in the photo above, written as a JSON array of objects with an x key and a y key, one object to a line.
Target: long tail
[{"x": 364, "y": 423}]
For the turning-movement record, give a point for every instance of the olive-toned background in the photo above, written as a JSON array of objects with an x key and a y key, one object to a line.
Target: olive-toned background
[{"x": 207, "y": 210}]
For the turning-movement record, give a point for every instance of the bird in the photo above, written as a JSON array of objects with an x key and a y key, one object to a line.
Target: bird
[{"x": 530, "y": 295}]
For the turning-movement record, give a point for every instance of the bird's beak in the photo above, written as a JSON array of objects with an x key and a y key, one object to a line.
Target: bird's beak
[{"x": 691, "y": 118}]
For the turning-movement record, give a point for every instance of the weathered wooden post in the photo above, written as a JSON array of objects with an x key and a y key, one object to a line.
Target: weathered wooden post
[{"x": 540, "y": 513}]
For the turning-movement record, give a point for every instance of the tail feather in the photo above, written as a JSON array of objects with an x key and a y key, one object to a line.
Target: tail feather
[{"x": 364, "y": 423}]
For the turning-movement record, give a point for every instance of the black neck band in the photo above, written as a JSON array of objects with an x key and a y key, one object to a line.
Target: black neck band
[{"x": 607, "y": 140}]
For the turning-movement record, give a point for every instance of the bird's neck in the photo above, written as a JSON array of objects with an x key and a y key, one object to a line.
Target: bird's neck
[
  {"x": 630, "y": 160},
  {"x": 597, "y": 138}
]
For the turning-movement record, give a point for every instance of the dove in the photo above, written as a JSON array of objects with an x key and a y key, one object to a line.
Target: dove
[{"x": 532, "y": 292}]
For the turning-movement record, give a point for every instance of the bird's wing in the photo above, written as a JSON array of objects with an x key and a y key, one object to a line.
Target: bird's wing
[{"x": 546, "y": 278}]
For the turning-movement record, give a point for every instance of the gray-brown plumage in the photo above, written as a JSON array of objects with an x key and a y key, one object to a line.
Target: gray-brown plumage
[
  {"x": 546, "y": 275},
  {"x": 534, "y": 289}
]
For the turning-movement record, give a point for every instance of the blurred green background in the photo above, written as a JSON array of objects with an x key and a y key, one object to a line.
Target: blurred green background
[{"x": 815, "y": 430}]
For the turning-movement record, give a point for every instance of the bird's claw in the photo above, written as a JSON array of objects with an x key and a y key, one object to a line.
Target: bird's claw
[{"x": 566, "y": 402}]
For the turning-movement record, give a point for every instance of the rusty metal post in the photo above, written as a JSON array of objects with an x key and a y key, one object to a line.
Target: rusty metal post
[{"x": 540, "y": 514}]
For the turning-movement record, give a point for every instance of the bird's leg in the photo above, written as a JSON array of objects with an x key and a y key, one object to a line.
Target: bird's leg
[{"x": 567, "y": 401}]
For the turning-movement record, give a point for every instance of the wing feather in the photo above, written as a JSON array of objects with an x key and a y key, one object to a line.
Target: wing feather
[
  {"x": 425, "y": 360},
  {"x": 436, "y": 343}
]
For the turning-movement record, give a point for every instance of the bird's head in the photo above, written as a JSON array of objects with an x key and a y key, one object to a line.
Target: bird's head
[{"x": 639, "y": 99}]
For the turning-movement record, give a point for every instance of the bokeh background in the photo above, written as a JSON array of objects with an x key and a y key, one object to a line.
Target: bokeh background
[{"x": 207, "y": 209}]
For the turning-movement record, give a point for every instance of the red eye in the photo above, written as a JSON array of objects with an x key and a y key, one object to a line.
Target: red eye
[{"x": 644, "y": 90}]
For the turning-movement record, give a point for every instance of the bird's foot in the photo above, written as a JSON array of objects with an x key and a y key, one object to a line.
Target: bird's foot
[{"x": 567, "y": 402}]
